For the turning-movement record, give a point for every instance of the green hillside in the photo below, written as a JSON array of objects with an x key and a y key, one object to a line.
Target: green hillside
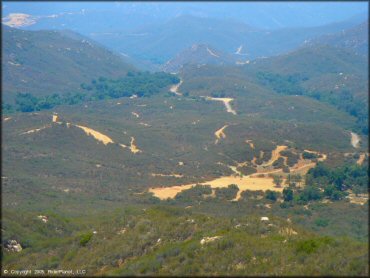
[
  {"x": 170, "y": 241},
  {"x": 221, "y": 169},
  {"x": 46, "y": 62}
]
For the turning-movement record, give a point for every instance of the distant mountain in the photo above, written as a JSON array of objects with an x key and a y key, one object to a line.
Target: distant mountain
[
  {"x": 355, "y": 39},
  {"x": 200, "y": 54},
  {"x": 161, "y": 42},
  {"x": 86, "y": 17},
  {"x": 46, "y": 62}
]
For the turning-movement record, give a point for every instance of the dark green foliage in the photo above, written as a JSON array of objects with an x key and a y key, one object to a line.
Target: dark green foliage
[
  {"x": 271, "y": 195},
  {"x": 310, "y": 193},
  {"x": 287, "y": 194},
  {"x": 343, "y": 99},
  {"x": 307, "y": 155},
  {"x": 26, "y": 102},
  {"x": 288, "y": 85},
  {"x": 321, "y": 222},
  {"x": 228, "y": 193},
  {"x": 195, "y": 193},
  {"x": 139, "y": 83},
  {"x": 85, "y": 238},
  {"x": 339, "y": 179},
  {"x": 277, "y": 179},
  {"x": 311, "y": 245},
  {"x": 135, "y": 83},
  {"x": 292, "y": 158},
  {"x": 279, "y": 163}
]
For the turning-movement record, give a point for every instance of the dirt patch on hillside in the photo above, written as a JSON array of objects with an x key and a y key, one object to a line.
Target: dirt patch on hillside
[
  {"x": 250, "y": 143},
  {"x": 220, "y": 133},
  {"x": 355, "y": 140},
  {"x": 134, "y": 149},
  {"x": 135, "y": 114},
  {"x": 361, "y": 159},
  {"x": 35, "y": 130},
  {"x": 226, "y": 102},
  {"x": 244, "y": 183},
  {"x": 175, "y": 88},
  {"x": 96, "y": 134},
  {"x": 360, "y": 199}
]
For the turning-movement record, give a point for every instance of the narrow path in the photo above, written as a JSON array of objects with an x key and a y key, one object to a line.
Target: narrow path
[{"x": 175, "y": 88}]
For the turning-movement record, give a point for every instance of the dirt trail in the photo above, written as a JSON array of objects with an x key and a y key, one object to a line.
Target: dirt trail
[
  {"x": 355, "y": 140},
  {"x": 275, "y": 154},
  {"x": 226, "y": 102},
  {"x": 133, "y": 147},
  {"x": 175, "y": 88},
  {"x": 167, "y": 175},
  {"x": 36, "y": 129},
  {"x": 220, "y": 133},
  {"x": 212, "y": 53},
  {"x": 96, "y": 134}
]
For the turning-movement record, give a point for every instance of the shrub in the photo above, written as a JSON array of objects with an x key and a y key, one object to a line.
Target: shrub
[
  {"x": 271, "y": 195},
  {"x": 85, "y": 238}
]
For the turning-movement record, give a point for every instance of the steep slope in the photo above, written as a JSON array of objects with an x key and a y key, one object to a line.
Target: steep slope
[{"x": 46, "y": 62}]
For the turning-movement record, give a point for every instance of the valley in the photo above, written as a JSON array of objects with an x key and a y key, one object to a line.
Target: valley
[{"x": 175, "y": 143}]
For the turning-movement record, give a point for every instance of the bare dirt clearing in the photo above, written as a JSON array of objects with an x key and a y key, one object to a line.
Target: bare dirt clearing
[
  {"x": 220, "y": 133},
  {"x": 96, "y": 134},
  {"x": 355, "y": 140},
  {"x": 244, "y": 183},
  {"x": 134, "y": 149},
  {"x": 175, "y": 88},
  {"x": 361, "y": 159},
  {"x": 226, "y": 102}
]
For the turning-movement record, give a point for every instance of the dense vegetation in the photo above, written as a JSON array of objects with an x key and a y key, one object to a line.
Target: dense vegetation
[
  {"x": 343, "y": 99},
  {"x": 141, "y": 84},
  {"x": 172, "y": 241}
]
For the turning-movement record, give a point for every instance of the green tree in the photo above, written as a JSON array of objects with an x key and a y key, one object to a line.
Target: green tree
[
  {"x": 287, "y": 194},
  {"x": 277, "y": 180},
  {"x": 271, "y": 195}
]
